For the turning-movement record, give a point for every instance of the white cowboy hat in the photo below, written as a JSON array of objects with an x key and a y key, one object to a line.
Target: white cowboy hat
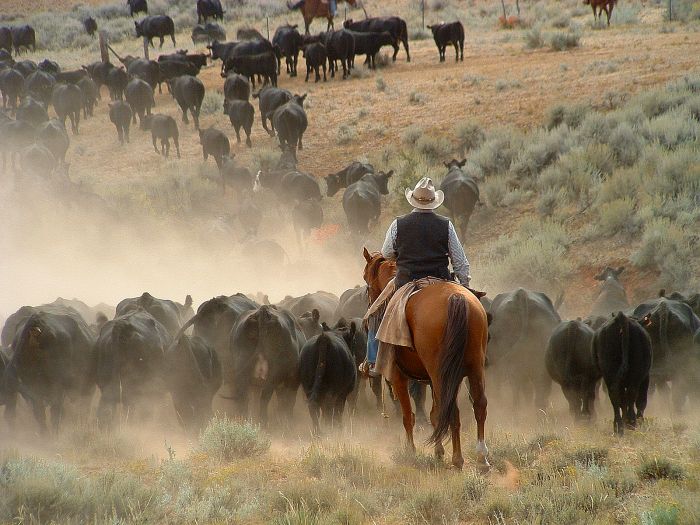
[{"x": 424, "y": 196}]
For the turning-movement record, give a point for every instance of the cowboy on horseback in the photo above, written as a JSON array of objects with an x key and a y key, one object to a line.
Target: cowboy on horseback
[{"x": 423, "y": 244}]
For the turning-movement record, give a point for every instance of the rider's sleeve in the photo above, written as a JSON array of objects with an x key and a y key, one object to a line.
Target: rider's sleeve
[
  {"x": 460, "y": 264},
  {"x": 389, "y": 247}
]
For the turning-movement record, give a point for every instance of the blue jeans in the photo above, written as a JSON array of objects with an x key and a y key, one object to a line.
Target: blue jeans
[
  {"x": 332, "y": 6},
  {"x": 372, "y": 346}
]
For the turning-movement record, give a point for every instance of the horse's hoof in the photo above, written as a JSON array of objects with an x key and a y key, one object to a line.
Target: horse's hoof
[{"x": 484, "y": 466}]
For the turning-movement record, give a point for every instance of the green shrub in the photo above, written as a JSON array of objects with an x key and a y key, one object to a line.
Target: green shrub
[
  {"x": 351, "y": 463},
  {"x": 494, "y": 189},
  {"x": 625, "y": 14},
  {"x": 414, "y": 97},
  {"x": 677, "y": 174},
  {"x": 660, "y": 468},
  {"x": 548, "y": 201},
  {"x": 660, "y": 515},
  {"x": 623, "y": 184},
  {"x": 672, "y": 129},
  {"x": 571, "y": 115},
  {"x": 543, "y": 149},
  {"x": 498, "y": 151},
  {"x": 380, "y": 83},
  {"x": 560, "y": 41},
  {"x": 660, "y": 238},
  {"x": 213, "y": 103},
  {"x": 431, "y": 506},
  {"x": 411, "y": 134},
  {"x": 433, "y": 148},
  {"x": 562, "y": 21},
  {"x": 226, "y": 440},
  {"x": 346, "y": 134},
  {"x": 574, "y": 174},
  {"x": 626, "y": 144},
  {"x": 656, "y": 102},
  {"x": 533, "y": 39},
  {"x": 470, "y": 135},
  {"x": 596, "y": 127}
]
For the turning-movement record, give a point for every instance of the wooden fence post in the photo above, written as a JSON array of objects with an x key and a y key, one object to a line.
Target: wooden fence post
[{"x": 104, "y": 53}]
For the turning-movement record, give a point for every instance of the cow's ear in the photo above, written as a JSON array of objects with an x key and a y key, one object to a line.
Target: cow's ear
[
  {"x": 353, "y": 329},
  {"x": 462, "y": 163},
  {"x": 619, "y": 270},
  {"x": 389, "y": 174},
  {"x": 325, "y": 327},
  {"x": 429, "y": 27},
  {"x": 303, "y": 97},
  {"x": 366, "y": 254},
  {"x": 446, "y": 164},
  {"x": 599, "y": 277},
  {"x": 662, "y": 292},
  {"x": 315, "y": 315}
]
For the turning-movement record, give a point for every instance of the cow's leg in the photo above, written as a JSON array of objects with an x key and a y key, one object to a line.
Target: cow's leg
[
  {"x": 456, "y": 46},
  {"x": 616, "y": 400},
  {"x": 308, "y": 72},
  {"x": 641, "y": 399},
  {"x": 630, "y": 396},
  {"x": 461, "y": 50},
  {"x": 77, "y": 121},
  {"x": 56, "y": 413},
  {"x": 477, "y": 393},
  {"x": 324, "y": 72},
  {"x": 400, "y": 387},
  {"x": 265, "y": 396},
  {"x": 155, "y": 147},
  {"x": 162, "y": 41},
  {"x": 120, "y": 134},
  {"x": 572, "y": 397},
  {"x": 301, "y": 146},
  {"x": 172, "y": 37},
  {"x": 177, "y": 146},
  {"x": 608, "y": 11},
  {"x": 195, "y": 116},
  {"x": 40, "y": 415},
  {"x": 405, "y": 46},
  {"x": 238, "y": 135},
  {"x": 126, "y": 132},
  {"x": 184, "y": 115},
  {"x": 247, "y": 135}
]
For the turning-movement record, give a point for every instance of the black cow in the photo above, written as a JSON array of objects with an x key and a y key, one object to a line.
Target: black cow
[
  {"x": 170, "y": 69},
  {"x": 671, "y": 325},
  {"x": 52, "y": 134},
  {"x": 188, "y": 91},
  {"x": 326, "y": 303},
  {"x": 12, "y": 87},
  {"x": 249, "y": 33},
  {"x": 8, "y": 399},
  {"x": 221, "y": 50},
  {"x": 241, "y": 114},
  {"x": 90, "y": 26},
  {"x": 362, "y": 201},
  {"x": 236, "y": 176},
  {"x": 306, "y": 216},
  {"x": 98, "y": 71},
  {"x": 164, "y": 310},
  {"x": 14, "y": 136},
  {"x": 236, "y": 87},
  {"x": 250, "y": 217},
  {"x": 146, "y": 70},
  {"x": 569, "y": 361},
  {"x": 52, "y": 358},
  {"x": 347, "y": 176},
  {"x": 265, "y": 345},
  {"x": 130, "y": 354},
  {"x": 37, "y": 160},
  {"x": 49, "y": 66},
  {"x": 209, "y": 9},
  {"x": 163, "y": 128},
  {"x": 139, "y": 95},
  {"x": 26, "y": 67},
  {"x": 23, "y": 37},
  {"x": 290, "y": 122},
  {"x": 88, "y": 88},
  {"x": 451, "y": 33},
  {"x": 120, "y": 115},
  {"x": 328, "y": 375},
  {"x": 461, "y": 194},
  {"x": 340, "y": 45},
  {"x": 353, "y": 303},
  {"x": 156, "y": 26},
  {"x": 310, "y": 323},
  {"x": 137, "y": 6},
  {"x": 75, "y": 76},
  {"x": 290, "y": 186},
  {"x": 595, "y": 321},
  {"x": 369, "y": 44},
  {"x": 522, "y": 324},
  {"x": 117, "y": 79},
  {"x": 193, "y": 376},
  {"x": 316, "y": 58},
  {"x": 32, "y": 111},
  {"x": 269, "y": 99},
  {"x": 213, "y": 323},
  {"x": 67, "y": 100},
  {"x": 393, "y": 25},
  {"x": 289, "y": 42},
  {"x": 197, "y": 59},
  {"x": 262, "y": 64},
  {"x": 691, "y": 299},
  {"x": 611, "y": 294},
  {"x": 208, "y": 32},
  {"x": 40, "y": 84},
  {"x": 622, "y": 351},
  {"x": 6, "y": 39},
  {"x": 214, "y": 143}
]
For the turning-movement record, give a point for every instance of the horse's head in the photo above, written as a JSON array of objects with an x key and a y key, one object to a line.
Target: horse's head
[{"x": 378, "y": 272}]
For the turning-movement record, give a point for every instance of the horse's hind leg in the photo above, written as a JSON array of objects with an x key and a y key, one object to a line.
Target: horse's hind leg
[
  {"x": 400, "y": 387},
  {"x": 439, "y": 449},
  {"x": 477, "y": 393},
  {"x": 457, "y": 458}
]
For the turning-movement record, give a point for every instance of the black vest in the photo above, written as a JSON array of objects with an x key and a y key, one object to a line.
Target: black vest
[{"x": 422, "y": 247}]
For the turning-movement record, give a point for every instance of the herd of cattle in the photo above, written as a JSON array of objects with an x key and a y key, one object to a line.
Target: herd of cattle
[{"x": 237, "y": 345}]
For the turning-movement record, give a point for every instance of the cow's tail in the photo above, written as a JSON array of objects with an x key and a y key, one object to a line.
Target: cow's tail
[
  {"x": 663, "y": 329},
  {"x": 451, "y": 367},
  {"x": 322, "y": 344},
  {"x": 403, "y": 32},
  {"x": 624, "y": 347},
  {"x": 523, "y": 310},
  {"x": 181, "y": 331}
]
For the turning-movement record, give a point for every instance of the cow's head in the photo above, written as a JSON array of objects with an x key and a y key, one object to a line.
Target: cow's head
[
  {"x": 333, "y": 183},
  {"x": 382, "y": 179},
  {"x": 454, "y": 163},
  {"x": 137, "y": 25},
  {"x": 610, "y": 273},
  {"x": 299, "y": 99}
]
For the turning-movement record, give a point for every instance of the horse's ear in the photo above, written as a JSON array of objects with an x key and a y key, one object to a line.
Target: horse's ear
[{"x": 366, "y": 254}]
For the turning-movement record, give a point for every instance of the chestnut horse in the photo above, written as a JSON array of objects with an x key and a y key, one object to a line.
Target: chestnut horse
[
  {"x": 450, "y": 331},
  {"x": 311, "y": 9},
  {"x": 599, "y": 6}
]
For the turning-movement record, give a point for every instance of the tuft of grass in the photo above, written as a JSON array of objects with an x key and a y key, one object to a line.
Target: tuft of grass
[
  {"x": 420, "y": 460},
  {"x": 561, "y": 41},
  {"x": 494, "y": 190},
  {"x": 655, "y": 469},
  {"x": 499, "y": 149},
  {"x": 571, "y": 115},
  {"x": 380, "y": 83},
  {"x": 226, "y": 440},
  {"x": 470, "y": 135},
  {"x": 431, "y": 506},
  {"x": 533, "y": 38},
  {"x": 411, "y": 134},
  {"x": 346, "y": 134},
  {"x": 212, "y": 103},
  {"x": 433, "y": 148},
  {"x": 414, "y": 97}
]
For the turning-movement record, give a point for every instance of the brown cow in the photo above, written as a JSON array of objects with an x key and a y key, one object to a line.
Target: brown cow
[{"x": 599, "y": 6}]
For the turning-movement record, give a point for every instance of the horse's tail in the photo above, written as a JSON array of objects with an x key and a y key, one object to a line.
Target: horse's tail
[{"x": 451, "y": 367}]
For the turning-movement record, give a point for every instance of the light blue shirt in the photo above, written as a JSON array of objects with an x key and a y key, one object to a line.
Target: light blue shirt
[{"x": 460, "y": 264}]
